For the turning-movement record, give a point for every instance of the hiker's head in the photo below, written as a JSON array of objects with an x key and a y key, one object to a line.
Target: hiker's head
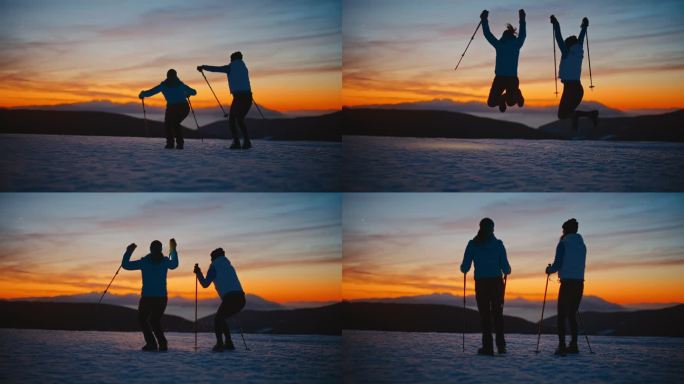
[
  {"x": 570, "y": 41},
  {"x": 218, "y": 252},
  {"x": 156, "y": 250},
  {"x": 570, "y": 227},
  {"x": 510, "y": 32},
  {"x": 486, "y": 230},
  {"x": 171, "y": 74},
  {"x": 236, "y": 56}
]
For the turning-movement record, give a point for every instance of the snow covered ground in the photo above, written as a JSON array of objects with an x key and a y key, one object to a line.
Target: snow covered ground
[
  {"x": 438, "y": 358},
  {"x": 410, "y": 164},
  {"x": 39, "y": 356},
  {"x": 128, "y": 164}
]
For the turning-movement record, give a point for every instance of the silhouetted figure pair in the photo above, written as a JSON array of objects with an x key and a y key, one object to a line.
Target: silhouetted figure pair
[
  {"x": 176, "y": 94},
  {"x": 240, "y": 88},
  {"x": 229, "y": 289},
  {"x": 506, "y": 86},
  {"x": 570, "y": 261},
  {"x": 489, "y": 256},
  {"x": 570, "y": 72},
  {"x": 153, "y": 298}
]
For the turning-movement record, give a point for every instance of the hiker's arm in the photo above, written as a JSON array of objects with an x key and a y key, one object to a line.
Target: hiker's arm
[
  {"x": 558, "y": 35},
  {"x": 211, "y": 68},
  {"x": 505, "y": 266},
  {"x": 488, "y": 34},
  {"x": 558, "y": 260},
  {"x": 126, "y": 263},
  {"x": 211, "y": 275},
  {"x": 150, "y": 92},
  {"x": 467, "y": 259},
  {"x": 522, "y": 30},
  {"x": 189, "y": 91},
  {"x": 583, "y": 32},
  {"x": 173, "y": 259}
]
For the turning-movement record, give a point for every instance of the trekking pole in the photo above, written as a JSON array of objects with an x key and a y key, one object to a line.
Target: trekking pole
[
  {"x": 471, "y": 40},
  {"x": 584, "y": 330},
  {"x": 555, "y": 66},
  {"x": 196, "y": 123},
  {"x": 464, "y": 310},
  {"x": 258, "y": 109},
  {"x": 196, "y": 309},
  {"x": 108, "y": 285},
  {"x": 548, "y": 276},
  {"x": 242, "y": 334},
  {"x": 212, "y": 91},
  {"x": 591, "y": 79},
  {"x": 147, "y": 130},
  {"x": 503, "y": 299}
]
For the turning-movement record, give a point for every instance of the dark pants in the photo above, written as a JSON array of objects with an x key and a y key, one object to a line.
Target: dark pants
[
  {"x": 231, "y": 304},
  {"x": 242, "y": 102},
  {"x": 150, "y": 311},
  {"x": 569, "y": 298},
  {"x": 175, "y": 113},
  {"x": 509, "y": 84},
  {"x": 489, "y": 294},
  {"x": 573, "y": 92}
]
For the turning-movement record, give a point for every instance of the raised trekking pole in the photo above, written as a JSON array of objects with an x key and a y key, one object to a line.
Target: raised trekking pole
[
  {"x": 584, "y": 330},
  {"x": 591, "y": 79},
  {"x": 214, "y": 93},
  {"x": 147, "y": 130},
  {"x": 548, "y": 276},
  {"x": 108, "y": 285},
  {"x": 471, "y": 40},
  {"x": 464, "y": 310},
  {"x": 196, "y": 123},
  {"x": 555, "y": 66},
  {"x": 196, "y": 266}
]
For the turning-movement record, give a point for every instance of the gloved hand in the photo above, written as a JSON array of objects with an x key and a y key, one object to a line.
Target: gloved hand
[
  {"x": 200, "y": 68},
  {"x": 521, "y": 14},
  {"x": 197, "y": 269},
  {"x": 585, "y": 22},
  {"x": 140, "y": 95},
  {"x": 131, "y": 247},
  {"x": 554, "y": 20},
  {"x": 172, "y": 244},
  {"x": 484, "y": 15},
  {"x": 548, "y": 267}
]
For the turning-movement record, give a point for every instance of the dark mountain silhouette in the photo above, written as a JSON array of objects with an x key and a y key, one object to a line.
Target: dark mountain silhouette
[
  {"x": 315, "y": 128},
  {"x": 425, "y": 123},
  {"x": 88, "y": 316},
  {"x": 664, "y": 127},
  {"x": 655, "y": 322}
]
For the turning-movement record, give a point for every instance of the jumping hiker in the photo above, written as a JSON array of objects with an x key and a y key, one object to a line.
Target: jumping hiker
[
  {"x": 571, "y": 255},
  {"x": 176, "y": 94},
  {"x": 572, "y": 54},
  {"x": 506, "y": 86},
  {"x": 238, "y": 82},
  {"x": 229, "y": 289},
  {"x": 153, "y": 298},
  {"x": 489, "y": 255}
]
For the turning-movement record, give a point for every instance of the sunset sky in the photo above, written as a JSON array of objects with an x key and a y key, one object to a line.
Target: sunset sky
[
  {"x": 54, "y": 52},
  {"x": 285, "y": 247},
  {"x": 412, "y": 244},
  {"x": 406, "y": 50}
]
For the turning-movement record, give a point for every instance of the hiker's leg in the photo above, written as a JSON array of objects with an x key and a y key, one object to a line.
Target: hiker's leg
[
  {"x": 232, "y": 119},
  {"x": 143, "y": 320},
  {"x": 182, "y": 113},
  {"x": 495, "y": 92},
  {"x": 577, "y": 291},
  {"x": 512, "y": 90},
  {"x": 232, "y": 303},
  {"x": 245, "y": 105},
  {"x": 156, "y": 313},
  {"x": 562, "y": 312},
  {"x": 219, "y": 325},
  {"x": 497, "y": 312},
  {"x": 168, "y": 126},
  {"x": 483, "y": 297}
]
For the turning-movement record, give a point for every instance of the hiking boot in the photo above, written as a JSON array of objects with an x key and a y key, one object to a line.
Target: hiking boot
[
  {"x": 561, "y": 350},
  {"x": 218, "y": 348},
  {"x": 179, "y": 146},
  {"x": 236, "y": 145},
  {"x": 572, "y": 348},
  {"x": 486, "y": 351},
  {"x": 169, "y": 146},
  {"x": 246, "y": 144},
  {"x": 229, "y": 346},
  {"x": 163, "y": 347},
  {"x": 149, "y": 347},
  {"x": 501, "y": 350},
  {"x": 521, "y": 99},
  {"x": 502, "y": 105},
  {"x": 594, "y": 118}
]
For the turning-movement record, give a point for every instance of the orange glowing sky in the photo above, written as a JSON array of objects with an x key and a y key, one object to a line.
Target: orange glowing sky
[
  {"x": 412, "y": 244},
  {"x": 405, "y": 51},
  {"x": 285, "y": 247},
  {"x": 73, "y": 52}
]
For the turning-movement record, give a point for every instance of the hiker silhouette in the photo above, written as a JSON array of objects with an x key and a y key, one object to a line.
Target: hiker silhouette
[
  {"x": 240, "y": 88},
  {"x": 505, "y": 88},
  {"x": 489, "y": 256},
  {"x": 153, "y": 298},
  {"x": 229, "y": 289},
  {"x": 176, "y": 94},
  {"x": 570, "y": 71},
  {"x": 570, "y": 260}
]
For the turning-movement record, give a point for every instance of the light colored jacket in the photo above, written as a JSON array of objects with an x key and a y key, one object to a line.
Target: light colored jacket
[
  {"x": 507, "y": 49},
  {"x": 174, "y": 94},
  {"x": 571, "y": 58},
  {"x": 153, "y": 273},
  {"x": 238, "y": 76},
  {"x": 489, "y": 258},
  {"x": 571, "y": 257},
  {"x": 223, "y": 275}
]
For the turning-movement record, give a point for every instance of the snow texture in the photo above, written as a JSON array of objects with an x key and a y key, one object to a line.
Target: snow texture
[
  {"x": 132, "y": 164},
  {"x": 39, "y": 356},
  {"x": 392, "y": 357},
  {"x": 410, "y": 164}
]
